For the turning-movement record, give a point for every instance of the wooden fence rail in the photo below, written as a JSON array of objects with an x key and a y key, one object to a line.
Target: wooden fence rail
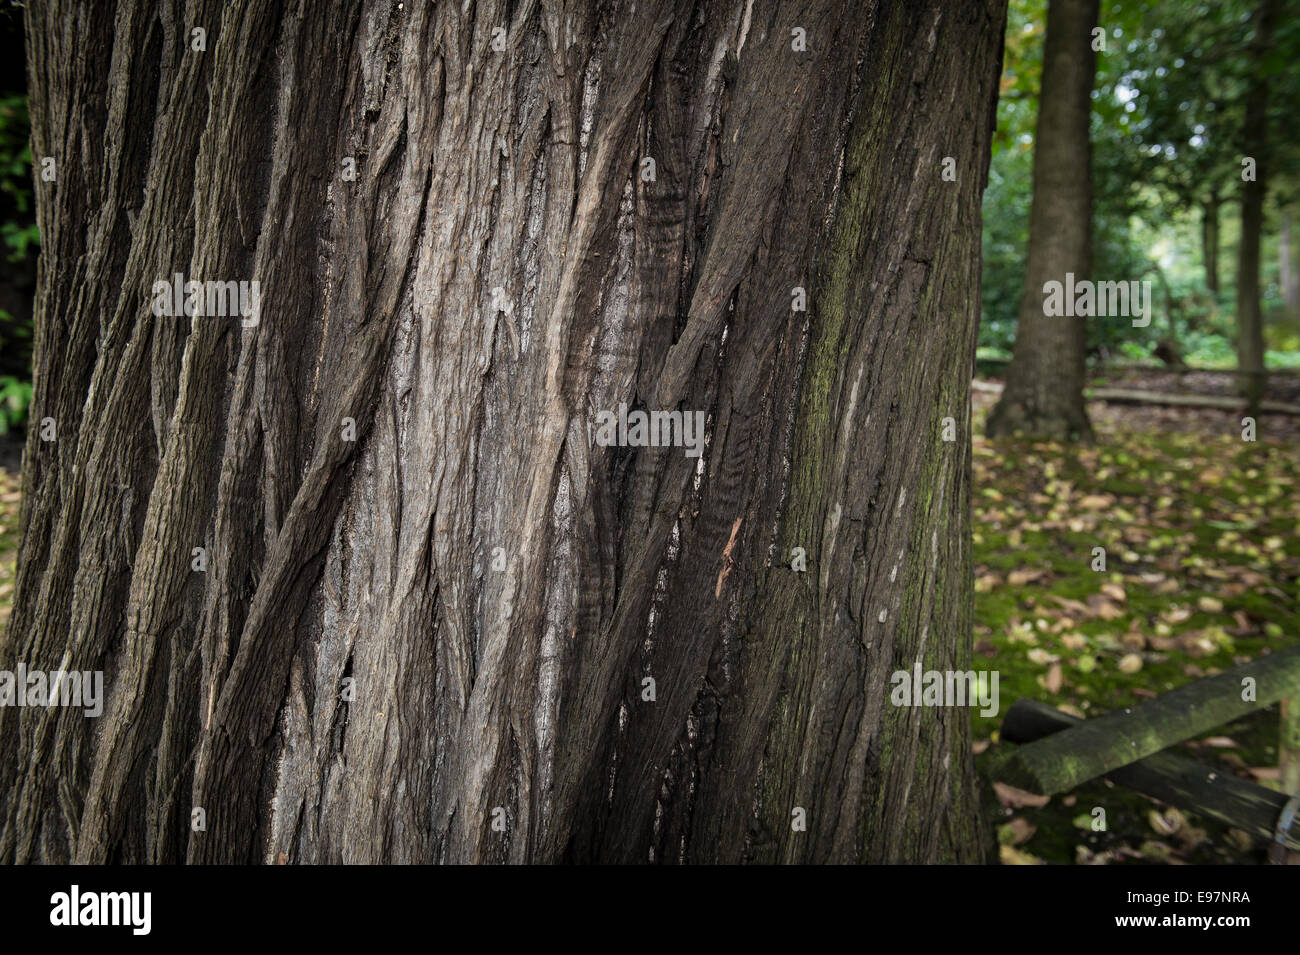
[
  {"x": 1058, "y": 763},
  {"x": 1171, "y": 778}
]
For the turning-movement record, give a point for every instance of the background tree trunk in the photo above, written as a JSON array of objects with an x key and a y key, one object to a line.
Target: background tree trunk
[
  {"x": 1044, "y": 384},
  {"x": 1210, "y": 242},
  {"x": 1169, "y": 349},
  {"x": 1250, "y": 325},
  {"x": 500, "y": 270},
  {"x": 1287, "y": 275}
]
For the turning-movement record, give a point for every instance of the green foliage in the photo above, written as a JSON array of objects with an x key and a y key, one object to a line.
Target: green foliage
[
  {"x": 15, "y": 398},
  {"x": 1010, "y": 191},
  {"x": 1166, "y": 141},
  {"x": 1010, "y": 188},
  {"x": 20, "y": 234},
  {"x": 1189, "y": 77},
  {"x": 21, "y": 238}
]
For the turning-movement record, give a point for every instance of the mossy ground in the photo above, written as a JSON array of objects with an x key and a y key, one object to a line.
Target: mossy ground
[{"x": 1201, "y": 531}]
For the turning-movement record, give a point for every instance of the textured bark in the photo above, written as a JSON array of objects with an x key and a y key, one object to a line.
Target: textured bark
[
  {"x": 1250, "y": 324},
  {"x": 509, "y": 695},
  {"x": 1044, "y": 393}
]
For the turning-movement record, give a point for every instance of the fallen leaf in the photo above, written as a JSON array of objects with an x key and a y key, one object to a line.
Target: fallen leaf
[
  {"x": 1018, "y": 578},
  {"x": 1074, "y": 641},
  {"x": 1052, "y": 682},
  {"x": 1096, "y": 502},
  {"x": 1016, "y": 832},
  {"x": 1085, "y": 856},
  {"x": 1074, "y": 606},
  {"x": 1100, "y": 606},
  {"x": 1134, "y": 641},
  {"x": 1166, "y": 823},
  {"x": 1019, "y": 798},
  {"x": 1197, "y": 643},
  {"x": 1010, "y": 855},
  {"x": 1130, "y": 663}
]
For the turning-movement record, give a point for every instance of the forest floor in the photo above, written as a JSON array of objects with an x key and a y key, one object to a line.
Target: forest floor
[
  {"x": 1201, "y": 531},
  {"x": 1202, "y": 537}
]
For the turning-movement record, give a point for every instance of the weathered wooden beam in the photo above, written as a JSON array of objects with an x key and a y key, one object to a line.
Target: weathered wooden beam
[
  {"x": 1122, "y": 366},
  {"x": 1227, "y": 403},
  {"x": 1191, "y": 370},
  {"x": 1058, "y": 763},
  {"x": 1131, "y": 396},
  {"x": 1166, "y": 776},
  {"x": 1288, "y": 745}
]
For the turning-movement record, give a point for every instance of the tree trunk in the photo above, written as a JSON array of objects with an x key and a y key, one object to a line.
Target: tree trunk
[
  {"x": 1255, "y": 145},
  {"x": 431, "y": 643},
  {"x": 1287, "y": 277},
  {"x": 1169, "y": 349},
  {"x": 1210, "y": 242},
  {"x": 1044, "y": 392}
]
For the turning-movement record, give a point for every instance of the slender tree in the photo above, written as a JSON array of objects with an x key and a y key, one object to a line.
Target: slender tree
[
  {"x": 1287, "y": 276},
  {"x": 1210, "y": 241},
  {"x": 1255, "y": 147},
  {"x": 364, "y": 579},
  {"x": 1044, "y": 385}
]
